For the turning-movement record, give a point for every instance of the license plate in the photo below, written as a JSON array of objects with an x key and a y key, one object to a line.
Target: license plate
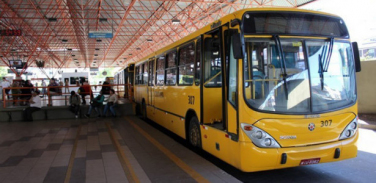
[{"x": 309, "y": 161}]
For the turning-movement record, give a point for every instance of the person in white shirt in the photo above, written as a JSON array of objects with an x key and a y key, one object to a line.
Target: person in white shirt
[
  {"x": 5, "y": 84},
  {"x": 35, "y": 105}
]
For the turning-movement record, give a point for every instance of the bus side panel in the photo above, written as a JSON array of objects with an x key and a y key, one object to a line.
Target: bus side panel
[
  {"x": 140, "y": 93},
  {"x": 217, "y": 143}
]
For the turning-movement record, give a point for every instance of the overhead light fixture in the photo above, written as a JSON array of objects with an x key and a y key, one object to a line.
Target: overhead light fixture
[
  {"x": 175, "y": 21},
  {"x": 69, "y": 49},
  {"x": 73, "y": 55},
  {"x": 138, "y": 48},
  {"x": 52, "y": 19},
  {"x": 149, "y": 40},
  {"x": 102, "y": 19},
  {"x": 125, "y": 58},
  {"x": 98, "y": 40},
  {"x": 130, "y": 54},
  {"x": 97, "y": 49},
  {"x": 96, "y": 55},
  {"x": 64, "y": 40}
]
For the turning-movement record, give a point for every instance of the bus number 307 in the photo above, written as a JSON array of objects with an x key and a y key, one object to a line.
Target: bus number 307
[
  {"x": 191, "y": 100},
  {"x": 326, "y": 123}
]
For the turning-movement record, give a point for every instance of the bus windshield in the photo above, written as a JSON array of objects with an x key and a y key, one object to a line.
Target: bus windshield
[{"x": 295, "y": 85}]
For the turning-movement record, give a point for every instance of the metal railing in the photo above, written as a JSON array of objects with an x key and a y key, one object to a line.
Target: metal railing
[{"x": 123, "y": 91}]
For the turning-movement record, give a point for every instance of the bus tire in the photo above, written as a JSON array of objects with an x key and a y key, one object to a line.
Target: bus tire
[
  {"x": 194, "y": 136},
  {"x": 144, "y": 115}
]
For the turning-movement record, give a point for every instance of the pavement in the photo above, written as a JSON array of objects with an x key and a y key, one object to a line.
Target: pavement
[{"x": 367, "y": 121}]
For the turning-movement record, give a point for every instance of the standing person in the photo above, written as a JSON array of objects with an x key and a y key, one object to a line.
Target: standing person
[
  {"x": 66, "y": 84},
  {"x": 96, "y": 103},
  {"x": 111, "y": 103},
  {"x": 26, "y": 92},
  {"x": 15, "y": 92},
  {"x": 74, "y": 101},
  {"x": 35, "y": 105},
  {"x": 95, "y": 87},
  {"x": 52, "y": 90},
  {"x": 44, "y": 90},
  {"x": 106, "y": 86},
  {"x": 5, "y": 84}
]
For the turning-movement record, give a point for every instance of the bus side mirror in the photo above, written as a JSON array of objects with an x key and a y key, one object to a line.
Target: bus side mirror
[
  {"x": 356, "y": 56},
  {"x": 237, "y": 46}
]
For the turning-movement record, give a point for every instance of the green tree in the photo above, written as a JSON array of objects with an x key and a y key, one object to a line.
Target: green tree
[{"x": 3, "y": 71}]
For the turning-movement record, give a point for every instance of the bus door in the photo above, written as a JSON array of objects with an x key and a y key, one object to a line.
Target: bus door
[
  {"x": 231, "y": 97},
  {"x": 150, "y": 104},
  {"x": 216, "y": 139}
]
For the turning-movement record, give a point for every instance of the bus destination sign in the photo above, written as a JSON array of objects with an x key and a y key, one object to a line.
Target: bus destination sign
[{"x": 9, "y": 32}]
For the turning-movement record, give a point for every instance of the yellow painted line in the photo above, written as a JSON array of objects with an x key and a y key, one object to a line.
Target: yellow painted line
[
  {"x": 125, "y": 163},
  {"x": 73, "y": 155},
  {"x": 195, "y": 175}
]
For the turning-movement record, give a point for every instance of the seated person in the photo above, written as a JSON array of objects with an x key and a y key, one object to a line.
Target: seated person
[
  {"x": 35, "y": 105},
  {"x": 111, "y": 103},
  {"x": 74, "y": 101},
  {"x": 96, "y": 103},
  {"x": 84, "y": 90}
]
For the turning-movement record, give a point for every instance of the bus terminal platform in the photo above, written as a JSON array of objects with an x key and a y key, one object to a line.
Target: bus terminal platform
[{"x": 121, "y": 149}]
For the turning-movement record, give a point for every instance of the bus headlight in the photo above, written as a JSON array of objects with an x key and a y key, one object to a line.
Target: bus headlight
[
  {"x": 350, "y": 129},
  {"x": 259, "y": 137}
]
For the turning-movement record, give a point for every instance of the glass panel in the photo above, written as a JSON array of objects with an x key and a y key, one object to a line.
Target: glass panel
[
  {"x": 265, "y": 86},
  {"x": 338, "y": 82},
  {"x": 198, "y": 60},
  {"x": 171, "y": 76},
  {"x": 186, "y": 64},
  {"x": 186, "y": 74},
  {"x": 213, "y": 63},
  {"x": 151, "y": 69},
  {"x": 294, "y": 23},
  {"x": 232, "y": 78},
  {"x": 145, "y": 76},
  {"x": 171, "y": 59},
  {"x": 160, "y": 71}
]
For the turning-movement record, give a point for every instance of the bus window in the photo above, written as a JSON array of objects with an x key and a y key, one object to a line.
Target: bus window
[
  {"x": 160, "y": 71},
  {"x": 198, "y": 61},
  {"x": 137, "y": 75},
  {"x": 145, "y": 75},
  {"x": 186, "y": 64},
  {"x": 151, "y": 68},
  {"x": 171, "y": 68}
]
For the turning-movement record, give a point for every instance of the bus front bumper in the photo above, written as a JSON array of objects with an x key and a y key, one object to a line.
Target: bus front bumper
[{"x": 258, "y": 159}]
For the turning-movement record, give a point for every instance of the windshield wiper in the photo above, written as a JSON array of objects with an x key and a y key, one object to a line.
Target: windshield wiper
[
  {"x": 283, "y": 62},
  {"x": 324, "y": 65}
]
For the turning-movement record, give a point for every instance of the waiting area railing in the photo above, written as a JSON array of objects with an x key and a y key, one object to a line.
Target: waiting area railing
[{"x": 59, "y": 95}]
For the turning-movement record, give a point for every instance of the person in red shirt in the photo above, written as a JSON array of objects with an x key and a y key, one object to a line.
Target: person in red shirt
[{"x": 84, "y": 90}]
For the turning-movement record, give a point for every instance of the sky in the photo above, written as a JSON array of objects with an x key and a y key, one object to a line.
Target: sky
[{"x": 359, "y": 16}]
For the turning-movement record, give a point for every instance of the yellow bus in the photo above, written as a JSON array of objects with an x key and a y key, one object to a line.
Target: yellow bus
[{"x": 270, "y": 89}]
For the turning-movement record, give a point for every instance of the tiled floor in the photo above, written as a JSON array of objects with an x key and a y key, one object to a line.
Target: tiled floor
[{"x": 87, "y": 151}]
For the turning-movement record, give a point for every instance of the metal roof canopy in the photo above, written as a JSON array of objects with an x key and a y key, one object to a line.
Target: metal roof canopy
[{"x": 57, "y": 31}]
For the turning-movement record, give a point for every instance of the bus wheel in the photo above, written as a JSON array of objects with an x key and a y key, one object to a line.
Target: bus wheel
[
  {"x": 194, "y": 133},
  {"x": 144, "y": 116}
]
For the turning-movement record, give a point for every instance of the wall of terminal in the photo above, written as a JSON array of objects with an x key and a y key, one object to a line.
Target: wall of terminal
[{"x": 366, "y": 83}]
